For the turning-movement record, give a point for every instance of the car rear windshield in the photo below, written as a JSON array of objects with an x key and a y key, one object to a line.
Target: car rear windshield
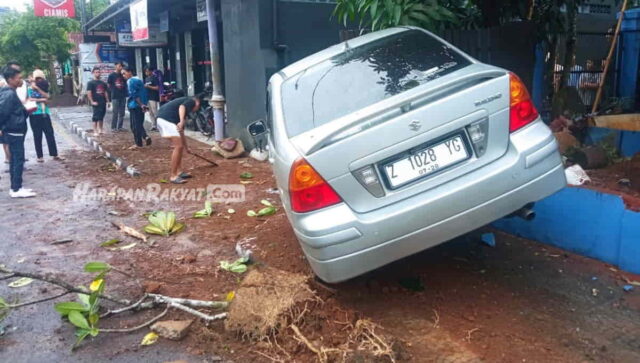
[{"x": 364, "y": 75}]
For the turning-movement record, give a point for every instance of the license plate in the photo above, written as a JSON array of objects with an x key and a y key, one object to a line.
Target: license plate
[{"x": 426, "y": 161}]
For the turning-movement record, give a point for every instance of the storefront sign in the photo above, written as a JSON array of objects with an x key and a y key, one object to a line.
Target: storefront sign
[
  {"x": 54, "y": 8},
  {"x": 201, "y": 9},
  {"x": 164, "y": 21},
  {"x": 156, "y": 38},
  {"x": 139, "y": 20}
]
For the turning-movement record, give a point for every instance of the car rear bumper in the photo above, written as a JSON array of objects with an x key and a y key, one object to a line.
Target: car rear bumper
[{"x": 340, "y": 243}]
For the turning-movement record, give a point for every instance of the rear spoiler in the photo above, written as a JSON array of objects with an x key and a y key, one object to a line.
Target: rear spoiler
[{"x": 313, "y": 140}]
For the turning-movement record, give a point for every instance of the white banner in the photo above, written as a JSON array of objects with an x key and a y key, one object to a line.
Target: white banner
[{"x": 139, "y": 20}]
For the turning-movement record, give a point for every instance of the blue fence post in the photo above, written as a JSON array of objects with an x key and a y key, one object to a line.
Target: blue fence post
[{"x": 630, "y": 36}]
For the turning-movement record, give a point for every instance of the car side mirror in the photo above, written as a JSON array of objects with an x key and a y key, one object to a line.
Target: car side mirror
[{"x": 257, "y": 128}]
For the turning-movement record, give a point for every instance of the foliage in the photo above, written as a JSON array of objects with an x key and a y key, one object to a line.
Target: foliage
[
  {"x": 33, "y": 41},
  {"x": 206, "y": 212},
  {"x": 84, "y": 314},
  {"x": 380, "y": 14},
  {"x": 163, "y": 223}
]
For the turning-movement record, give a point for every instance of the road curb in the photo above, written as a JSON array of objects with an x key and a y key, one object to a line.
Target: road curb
[{"x": 93, "y": 143}]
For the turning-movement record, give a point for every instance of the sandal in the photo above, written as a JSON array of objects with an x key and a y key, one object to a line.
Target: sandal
[
  {"x": 185, "y": 176},
  {"x": 40, "y": 160},
  {"x": 178, "y": 180},
  {"x": 58, "y": 158}
]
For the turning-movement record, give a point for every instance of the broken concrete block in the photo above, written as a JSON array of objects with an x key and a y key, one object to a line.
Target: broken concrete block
[{"x": 172, "y": 329}]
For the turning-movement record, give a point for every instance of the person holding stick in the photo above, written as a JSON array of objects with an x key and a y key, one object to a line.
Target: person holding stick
[{"x": 171, "y": 121}]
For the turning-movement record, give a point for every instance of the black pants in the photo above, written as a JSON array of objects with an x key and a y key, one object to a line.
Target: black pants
[
  {"x": 16, "y": 148},
  {"x": 42, "y": 124},
  {"x": 118, "y": 106},
  {"x": 136, "y": 119}
]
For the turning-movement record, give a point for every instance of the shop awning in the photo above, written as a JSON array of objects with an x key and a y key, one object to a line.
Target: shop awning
[{"x": 108, "y": 13}]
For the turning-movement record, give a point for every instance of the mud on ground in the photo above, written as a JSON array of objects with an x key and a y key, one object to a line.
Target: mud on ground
[{"x": 459, "y": 302}]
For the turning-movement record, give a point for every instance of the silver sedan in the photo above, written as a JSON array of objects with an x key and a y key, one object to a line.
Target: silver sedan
[{"x": 396, "y": 141}]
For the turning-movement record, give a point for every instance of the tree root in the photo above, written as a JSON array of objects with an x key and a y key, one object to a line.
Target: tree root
[{"x": 321, "y": 352}]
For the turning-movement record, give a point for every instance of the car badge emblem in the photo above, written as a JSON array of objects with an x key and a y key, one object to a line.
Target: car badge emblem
[{"x": 415, "y": 125}]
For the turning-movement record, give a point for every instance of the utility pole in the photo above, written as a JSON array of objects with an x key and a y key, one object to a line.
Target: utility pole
[{"x": 217, "y": 99}]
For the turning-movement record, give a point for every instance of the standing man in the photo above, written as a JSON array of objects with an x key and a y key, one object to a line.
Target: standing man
[
  {"x": 171, "y": 120},
  {"x": 13, "y": 128},
  {"x": 137, "y": 105},
  {"x": 40, "y": 120},
  {"x": 98, "y": 97},
  {"x": 588, "y": 85},
  {"x": 152, "y": 84},
  {"x": 118, "y": 93}
]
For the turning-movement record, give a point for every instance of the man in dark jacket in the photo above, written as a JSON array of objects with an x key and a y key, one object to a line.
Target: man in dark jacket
[{"x": 13, "y": 128}]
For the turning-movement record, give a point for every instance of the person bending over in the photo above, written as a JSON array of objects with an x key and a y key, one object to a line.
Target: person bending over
[{"x": 172, "y": 117}]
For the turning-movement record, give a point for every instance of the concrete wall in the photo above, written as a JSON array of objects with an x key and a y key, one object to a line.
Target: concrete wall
[
  {"x": 245, "y": 80},
  {"x": 250, "y": 54}
]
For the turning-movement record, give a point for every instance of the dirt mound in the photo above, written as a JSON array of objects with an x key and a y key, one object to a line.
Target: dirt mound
[{"x": 265, "y": 301}]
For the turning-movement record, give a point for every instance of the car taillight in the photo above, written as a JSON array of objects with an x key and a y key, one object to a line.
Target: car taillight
[
  {"x": 522, "y": 110},
  {"x": 308, "y": 190}
]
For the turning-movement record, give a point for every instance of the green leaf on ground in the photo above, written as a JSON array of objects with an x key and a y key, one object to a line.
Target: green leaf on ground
[
  {"x": 64, "y": 308},
  {"x": 110, "y": 242},
  {"x": 23, "y": 281},
  {"x": 97, "y": 267},
  {"x": 76, "y": 318},
  {"x": 267, "y": 211},
  {"x": 246, "y": 175}
]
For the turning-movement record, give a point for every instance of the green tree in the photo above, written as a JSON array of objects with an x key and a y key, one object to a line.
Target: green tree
[
  {"x": 380, "y": 14},
  {"x": 35, "y": 41}
]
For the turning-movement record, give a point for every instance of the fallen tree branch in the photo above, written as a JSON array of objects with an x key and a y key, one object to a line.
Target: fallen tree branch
[
  {"x": 7, "y": 277},
  {"x": 197, "y": 313},
  {"x": 162, "y": 299},
  {"x": 55, "y": 281},
  {"x": 144, "y": 325},
  {"x": 136, "y": 306},
  {"x": 13, "y": 306}
]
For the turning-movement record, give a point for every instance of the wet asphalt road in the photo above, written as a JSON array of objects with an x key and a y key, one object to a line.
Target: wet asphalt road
[{"x": 27, "y": 227}]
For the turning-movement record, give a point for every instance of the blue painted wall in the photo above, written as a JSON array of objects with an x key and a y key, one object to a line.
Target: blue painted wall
[
  {"x": 630, "y": 43},
  {"x": 587, "y": 222}
]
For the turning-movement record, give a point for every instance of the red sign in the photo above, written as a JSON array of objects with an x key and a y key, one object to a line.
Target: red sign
[{"x": 54, "y": 8}]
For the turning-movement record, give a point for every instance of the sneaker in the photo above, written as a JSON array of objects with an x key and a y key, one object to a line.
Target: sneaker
[
  {"x": 154, "y": 129},
  {"x": 22, "y": 193}
]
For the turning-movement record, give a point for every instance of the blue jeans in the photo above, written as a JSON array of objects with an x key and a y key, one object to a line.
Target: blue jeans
[{"x": 16, "y": 148}]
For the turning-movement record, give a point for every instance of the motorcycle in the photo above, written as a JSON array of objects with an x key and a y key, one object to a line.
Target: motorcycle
[
  {"x": 170, "y": 92},
  {"x": 203, "y": 119}
]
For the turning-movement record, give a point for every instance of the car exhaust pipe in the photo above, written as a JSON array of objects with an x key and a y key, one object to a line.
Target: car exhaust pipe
[{"x": 526, "y": 213}]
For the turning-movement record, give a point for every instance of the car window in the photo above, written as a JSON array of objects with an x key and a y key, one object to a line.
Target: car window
[{"x": 363, "y": 76}]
